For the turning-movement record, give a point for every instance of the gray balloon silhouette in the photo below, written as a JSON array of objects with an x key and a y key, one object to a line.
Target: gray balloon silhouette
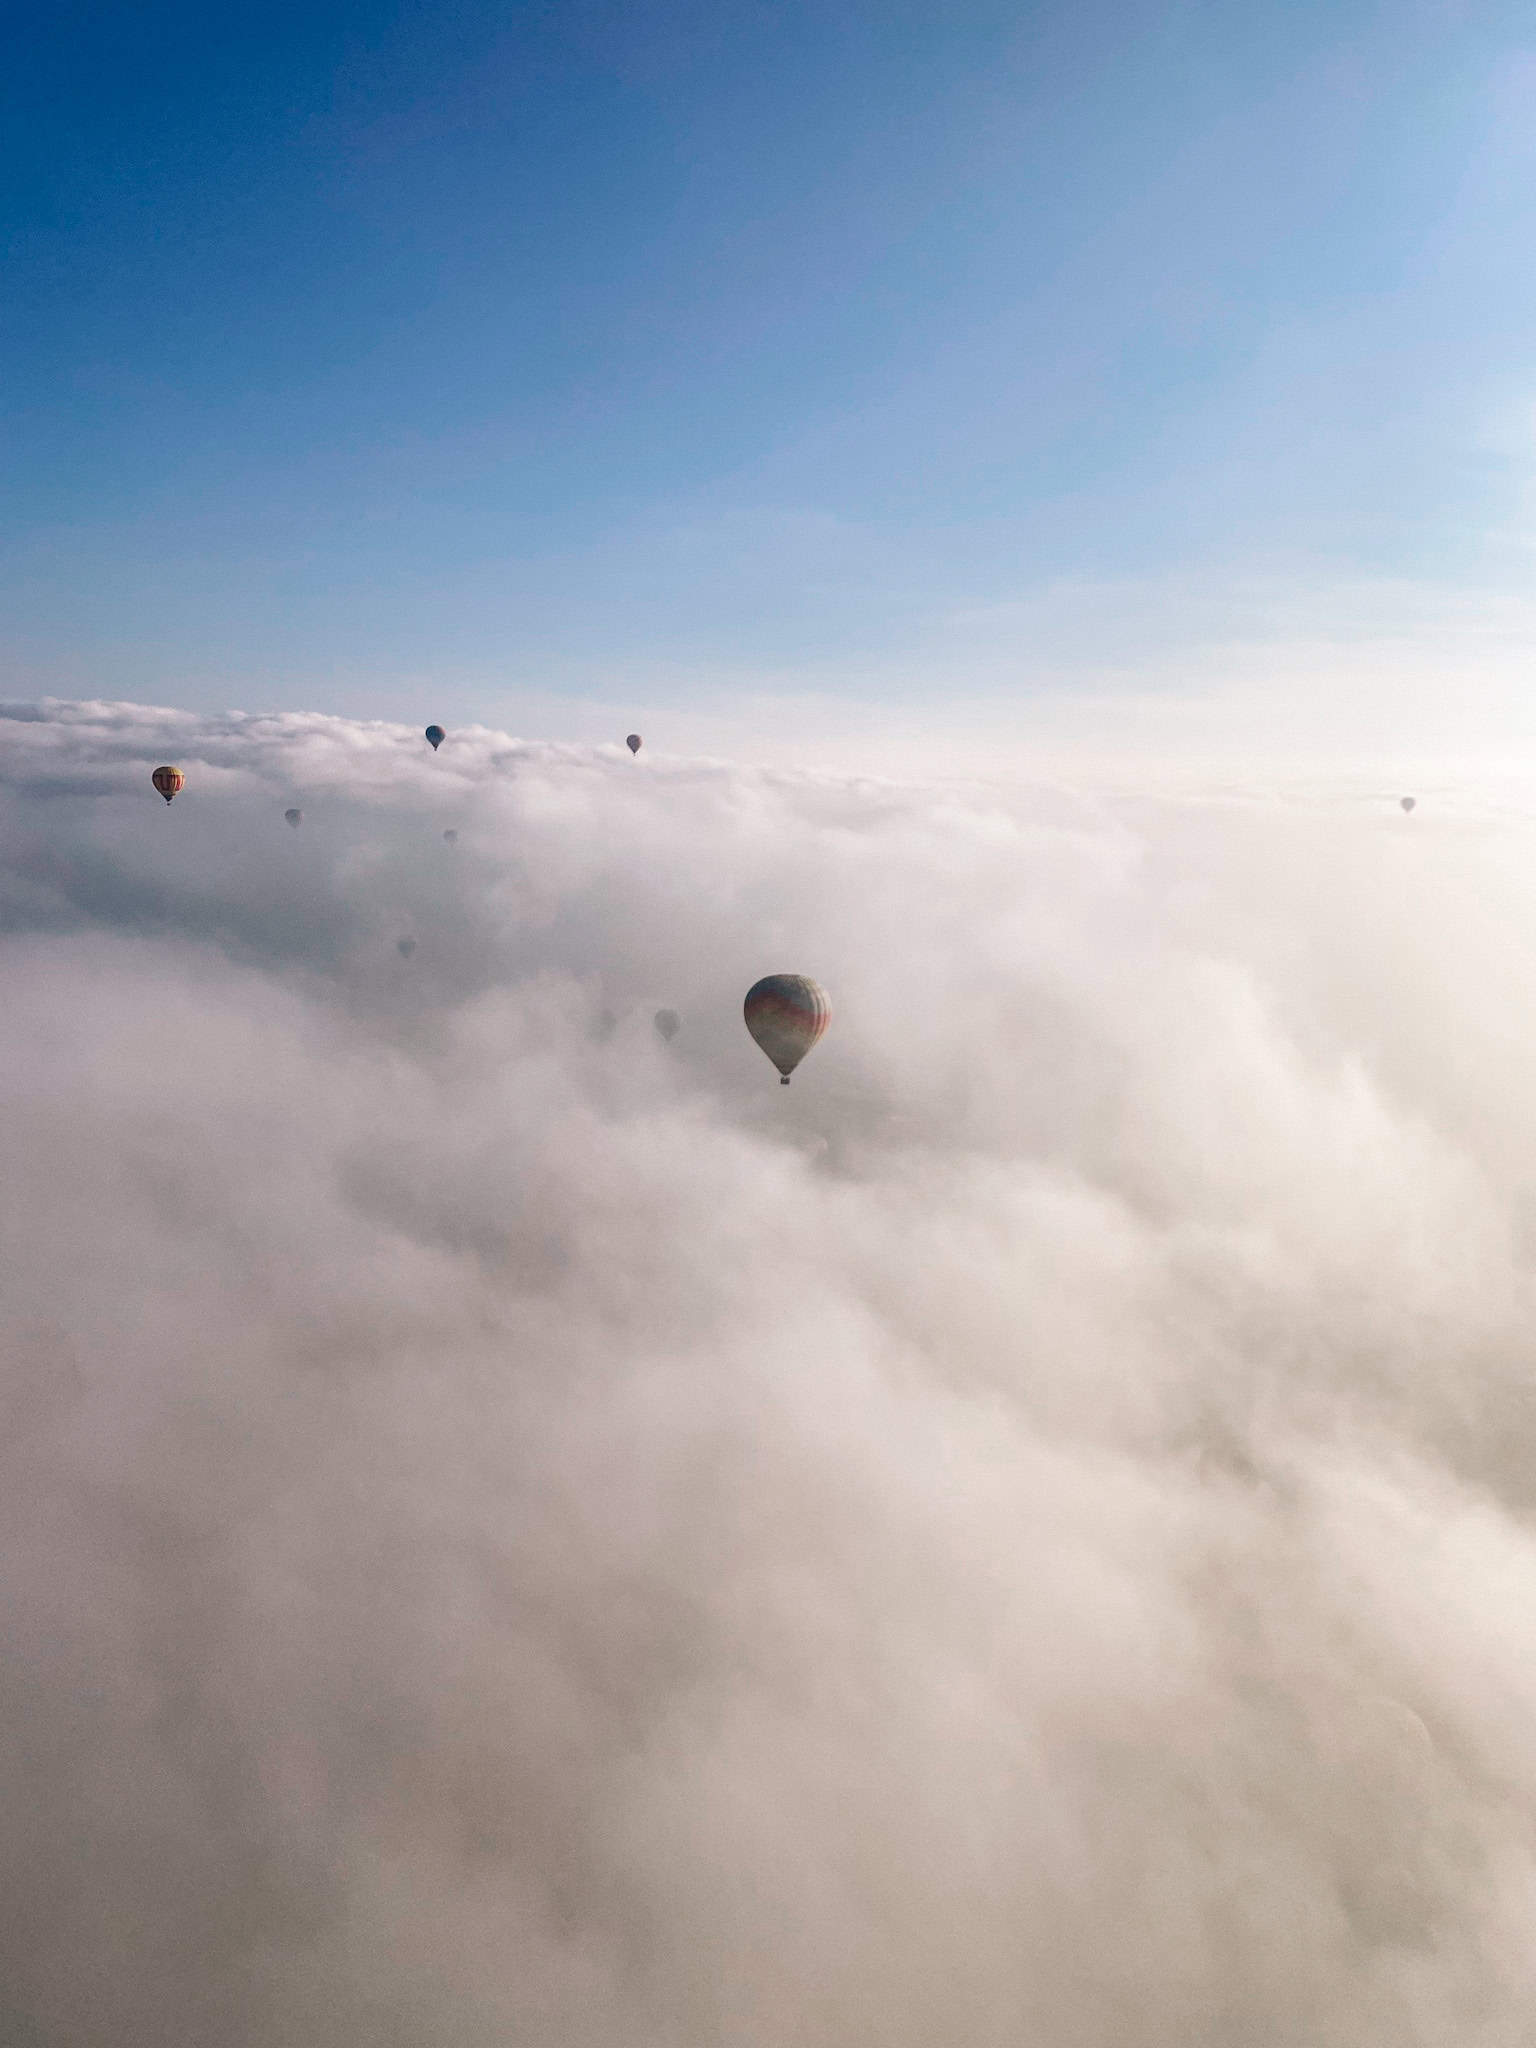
[
  {"x": 407, "y": 948},
  {"x": 667, "y": 1022},
  {"x": 295, "y": 818}
]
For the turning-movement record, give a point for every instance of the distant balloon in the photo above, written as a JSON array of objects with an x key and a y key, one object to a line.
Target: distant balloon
[
  {"x": 606, "y": 1026},
  {"x": 451, "y": 836},
  {"x": 168, "y": 780},
  {"x": 435, "y": 737},
  {"x": 1408, "y": 802},
  {"x": 407, "y": 948},
  {"x": 786, "y": 1014},
  {"x": 667, "y": 1022},
  {"x": 1398, "y": 1730},
  {"x": 633, "y": 743},
  {"x": 294, "y": 817}
]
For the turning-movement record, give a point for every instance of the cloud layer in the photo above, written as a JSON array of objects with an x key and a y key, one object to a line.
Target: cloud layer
[{"x": 512, "y": 1530}]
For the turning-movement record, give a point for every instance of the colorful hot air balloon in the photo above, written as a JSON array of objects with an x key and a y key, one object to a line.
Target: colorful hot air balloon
[
  {"x": 435, "y": 737},
  {"x": 667, "y": 1022},
  {"x": 786, "y": 1014},
  {"x": 407, "y": 947},
  {"x": 168, "y": 780},
  {"x": 633, "y": 743},
  {"x": 1408, "y": 802},
  {"x": 451, "y": 836},
  {"x": 295, "y": 818}
]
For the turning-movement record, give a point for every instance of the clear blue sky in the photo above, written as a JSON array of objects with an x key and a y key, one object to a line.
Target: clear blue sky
[{"x": 633, "y": 351}]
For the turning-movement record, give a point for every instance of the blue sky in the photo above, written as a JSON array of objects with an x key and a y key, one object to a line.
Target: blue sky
[{"x": 644, "y": 354}]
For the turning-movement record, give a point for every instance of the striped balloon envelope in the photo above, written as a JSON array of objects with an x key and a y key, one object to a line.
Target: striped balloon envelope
[
  {"x": 168, "y": 780},
  {"x": 786, "y": 1014}
]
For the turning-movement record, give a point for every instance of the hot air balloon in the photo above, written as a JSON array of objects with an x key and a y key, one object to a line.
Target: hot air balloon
[
  {"x": 1408, "y": 802},
  {"x": 435, "y": 737},
  {"x": 407, "y": 948},
  {"x": 1395, "y": 1728},
  {"x": 295, "y": 818},
  {"x": 786, "y": 1014},
  {"x": 633, "y": 743},
  {"x": 451, "y": 836},
  {"x": 168, "y": 780},
  {"x": 667, "y": 1022}
]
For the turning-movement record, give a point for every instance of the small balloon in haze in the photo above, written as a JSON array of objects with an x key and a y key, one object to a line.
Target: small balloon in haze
[
  {"x": 168, "y": 780},
  {"x": 786, "y": 1014},
  {"x": 435, "y": 737},
  {"x": 451, "y": 836},
  {"x": 1408, "y": 802},
  {"x": 1397, "y": 1731},
  {"x": 295, "y": 818},
  {"x": 667, "y": 1022},
  {"x": 633, "y": 743},
  {"x": 407, "y": 948},
  {"x": 605, "y": 1026}
]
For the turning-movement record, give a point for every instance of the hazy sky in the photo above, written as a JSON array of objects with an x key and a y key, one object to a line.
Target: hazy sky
[
  {"x": 471, "y": 357},
  {"x": 513, "y": 1530}
]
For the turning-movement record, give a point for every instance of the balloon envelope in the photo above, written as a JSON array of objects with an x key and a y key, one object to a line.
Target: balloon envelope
[
  {"x": 168, "y": 780},
  {"x": 1395, "y": 1728},
  {"x": 294, "y": 817},
  {"x": 451, "y": 836},
  {"x": 633, "y": 743},
  {"x": 1408, "y": 803},
  {"x": 667, "y": 1022},
  {"x": 407, "y": 948},
  {"x": 435, "y": 737},
  {"x": 786, "y": 1014}
]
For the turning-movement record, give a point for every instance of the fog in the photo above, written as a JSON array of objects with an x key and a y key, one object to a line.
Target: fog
[{"x": 516, "y": 1531}]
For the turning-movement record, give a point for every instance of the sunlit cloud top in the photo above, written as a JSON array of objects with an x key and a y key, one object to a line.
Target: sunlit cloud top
[{"x": 515, "y": 1526}]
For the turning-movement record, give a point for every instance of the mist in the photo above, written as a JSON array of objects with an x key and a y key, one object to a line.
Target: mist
[{"x": 517, "y": 1530}]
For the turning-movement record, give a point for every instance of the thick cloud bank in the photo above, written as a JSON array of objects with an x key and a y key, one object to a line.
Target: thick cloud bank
[{"x": 514, "y": 1531}]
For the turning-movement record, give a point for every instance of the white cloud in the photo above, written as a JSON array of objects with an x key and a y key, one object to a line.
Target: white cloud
[{"x": 510, "y": 1530}]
